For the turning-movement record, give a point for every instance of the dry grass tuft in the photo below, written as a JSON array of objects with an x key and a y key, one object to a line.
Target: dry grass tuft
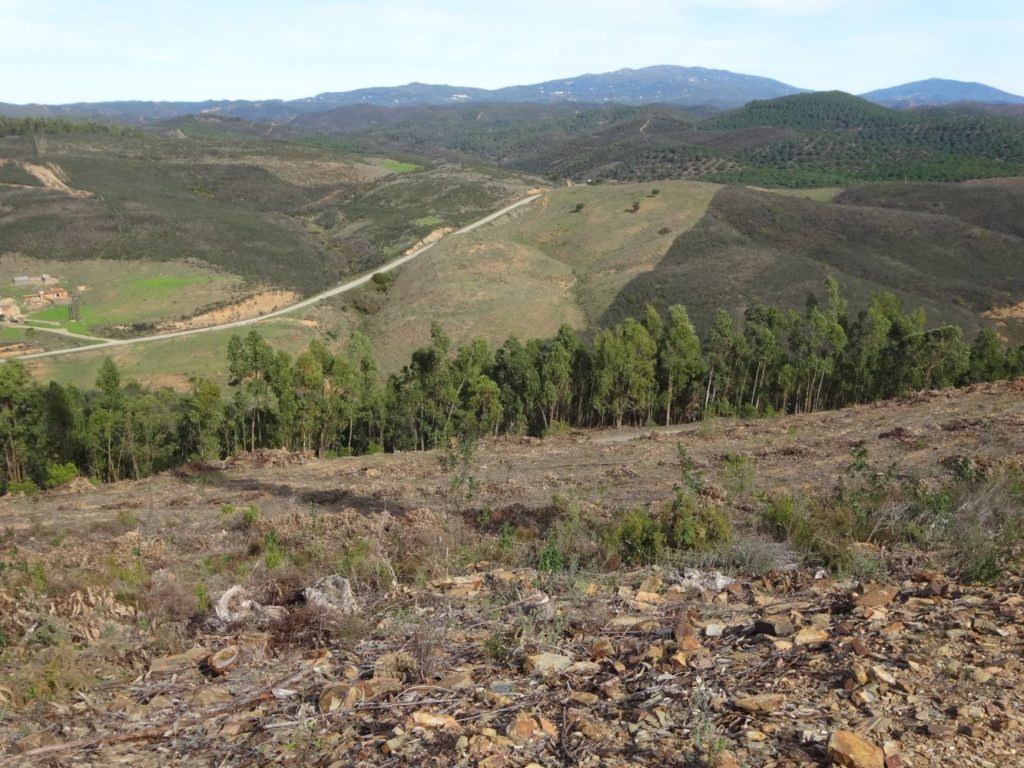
[{"x": 308, "y": 626}]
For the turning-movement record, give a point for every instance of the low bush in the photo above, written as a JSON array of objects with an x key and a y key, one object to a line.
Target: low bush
[
  {"x": 637, "y": 539},
  {"x": 59, "y": 474},
  {"x": 688, "y": 525},
  {"x": 987, "y": 530},
  {"x": 26, "y": 487},
  {"x": 691, "y": 525}
]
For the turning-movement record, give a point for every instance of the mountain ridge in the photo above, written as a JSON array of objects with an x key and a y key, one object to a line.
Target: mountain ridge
[
  {"x": 689, "y": 86},
  {"x": 657, "y": 84}
]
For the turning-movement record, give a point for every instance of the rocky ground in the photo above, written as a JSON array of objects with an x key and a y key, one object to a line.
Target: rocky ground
[
  {"x": 124, "y": 642},
  {"x": 655, "y": 668}
]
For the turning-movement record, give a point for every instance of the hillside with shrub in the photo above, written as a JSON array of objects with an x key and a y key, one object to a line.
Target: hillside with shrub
[
  {"x": 290, "y": 214},
  {"x": 753, "y": 244}
]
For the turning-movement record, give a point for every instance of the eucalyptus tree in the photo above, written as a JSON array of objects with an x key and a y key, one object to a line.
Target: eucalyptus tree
[
  {"x": 250, "y": 369},
  {"x": 19, "y": 415},
  {"x": 679, "y": 358},
  {"x": 202, "y": 420}
]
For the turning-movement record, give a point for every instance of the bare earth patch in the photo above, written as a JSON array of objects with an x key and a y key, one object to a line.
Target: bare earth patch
[
  {"x": 52, "y": 176},
  {"x": 251, "y": 306},
  {"x": 1015, "y": 312}
]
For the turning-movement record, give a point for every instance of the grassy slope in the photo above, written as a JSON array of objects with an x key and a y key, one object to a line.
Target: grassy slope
[
  {"x": 297, "y": 215},
  {"x": 544, "y": 266},
  {"x": 779, "y": 248},
  {"x": 170, "y": 362},
  {"x": 39, "y": 340}
]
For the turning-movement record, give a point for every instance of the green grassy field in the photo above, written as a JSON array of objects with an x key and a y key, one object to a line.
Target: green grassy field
[
  {"x": 123, "y": 292},
  {"x": 397, "y": 166}
]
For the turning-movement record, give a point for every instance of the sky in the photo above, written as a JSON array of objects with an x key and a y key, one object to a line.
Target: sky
[{"x": 56, "y": 51}]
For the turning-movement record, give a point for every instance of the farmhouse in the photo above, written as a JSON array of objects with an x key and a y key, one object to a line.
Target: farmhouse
[
  {"x": 56, "y": 295},
  {"x": 23, "y": 281}
]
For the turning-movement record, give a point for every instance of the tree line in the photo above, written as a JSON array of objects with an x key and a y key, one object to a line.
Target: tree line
[{"x": 651, "y": 370}]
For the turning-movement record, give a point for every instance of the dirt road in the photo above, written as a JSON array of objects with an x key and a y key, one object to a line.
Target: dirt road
[{"x": 338, "y": 289}]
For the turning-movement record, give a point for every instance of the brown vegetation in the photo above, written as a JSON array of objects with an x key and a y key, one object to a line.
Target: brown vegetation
[{"x": 497, "y": 628}]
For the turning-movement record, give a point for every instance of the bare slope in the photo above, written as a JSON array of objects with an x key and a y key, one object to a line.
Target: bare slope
[{"x": 108, "y": 610}]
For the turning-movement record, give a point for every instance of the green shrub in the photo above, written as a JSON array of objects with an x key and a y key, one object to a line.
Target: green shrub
[
  {"x": 273, "y": 552},
  {"x": 822, "y": 532},
  {"x": 250, "y": 516},
  {"x": 26, "y": 487},
  {"x": 777, "y": 515},
  {"x": 688, "y": 472},
  {"x": 550, "y": 558},
  {"x": 203, "y": 602},
  {"x": 693, "y": 526},
  {"x": 59, "y": 474},
  {"x": 738, "y": 474},
  {"x": 382, "y": 281},
  {"x": 637, "y": 539},
  {"x": 556, "y": 428},
  {"x": 506, "y": 539},
  {"x": 571, "y": 541}
]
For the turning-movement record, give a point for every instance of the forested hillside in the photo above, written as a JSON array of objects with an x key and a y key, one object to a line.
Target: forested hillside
[
  {"x": 806, "y": 140},
  {"x": 651, "y": 369}
]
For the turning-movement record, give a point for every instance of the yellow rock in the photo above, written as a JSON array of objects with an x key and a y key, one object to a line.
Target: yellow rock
[
  {"x": 763, "y": 704},
  {"x": 848, "y": 750},
  {"x": 425, "y": 719},
  {"x": 811, "y": 636}
]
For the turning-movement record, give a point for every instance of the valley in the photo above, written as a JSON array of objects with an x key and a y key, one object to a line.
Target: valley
[{"x": 664, "y": 416}]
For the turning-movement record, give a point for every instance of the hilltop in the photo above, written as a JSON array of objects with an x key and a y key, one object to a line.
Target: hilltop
[
  {"x": 937, "y": 91},
  {"x": 802, "y": 140},
  {"x": 660, "y": 84}
]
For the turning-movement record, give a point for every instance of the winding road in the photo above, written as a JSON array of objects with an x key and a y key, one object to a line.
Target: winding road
[{"x": 338, "y": 289}]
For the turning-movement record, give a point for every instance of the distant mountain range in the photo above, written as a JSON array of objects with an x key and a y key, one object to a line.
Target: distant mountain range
[
  {"x": 684, "y": 86},
  {"x": 937, "y": 92}
]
